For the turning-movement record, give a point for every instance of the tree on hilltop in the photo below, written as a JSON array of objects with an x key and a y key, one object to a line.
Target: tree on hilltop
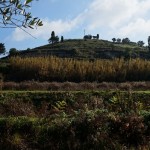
[
  {"x": 52, "y": 34},
  {"x": 140, "y": 43},
  {"x": 97, "y": 36},
  {"x": 149, "y": 43},
  {"x": 125, "y": 41},
  {"x": 62, "y": 39},
  {"x": 118, "y": 40},
  {"x": 53, "y": 39},
  {"x": 114, "y": 40}
]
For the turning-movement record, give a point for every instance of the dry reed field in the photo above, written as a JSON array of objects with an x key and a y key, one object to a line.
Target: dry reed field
[{"x": 65, "y": 69}]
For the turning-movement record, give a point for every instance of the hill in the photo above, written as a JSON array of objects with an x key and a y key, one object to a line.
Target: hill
[{"x": 90, "y": 49}]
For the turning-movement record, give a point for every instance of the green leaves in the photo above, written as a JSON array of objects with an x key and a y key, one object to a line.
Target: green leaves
[
  {"x": 36, "y": 22},
  {"x": 19, "y": 6},
  {"x": 28, "y": 1},
  {"x": 14, "y": 14},
  {"x": 6, "y": 10},
  {"x": 39, "y": 23}
]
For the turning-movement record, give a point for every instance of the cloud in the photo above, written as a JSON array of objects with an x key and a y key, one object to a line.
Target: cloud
[
  {"x": 44, "y": 32},
  {"x": 137, "y": 30},
  {"x": 124, "y": 18},
  {"x": 116, "y": 13}
]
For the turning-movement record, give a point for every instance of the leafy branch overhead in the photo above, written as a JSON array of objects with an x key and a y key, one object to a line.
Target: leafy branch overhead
[{"x": 13, "y": 13}]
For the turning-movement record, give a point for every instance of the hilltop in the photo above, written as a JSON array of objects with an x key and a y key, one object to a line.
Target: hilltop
[{"x": 90, "y": 49}]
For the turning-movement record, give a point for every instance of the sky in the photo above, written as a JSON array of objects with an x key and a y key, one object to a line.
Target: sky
[{"x": 70, "y": 18}]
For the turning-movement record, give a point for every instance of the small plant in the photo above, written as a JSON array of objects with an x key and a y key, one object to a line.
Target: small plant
[
  {"x": 59, "y": 105},
  {"x": 125, "y": 103}
]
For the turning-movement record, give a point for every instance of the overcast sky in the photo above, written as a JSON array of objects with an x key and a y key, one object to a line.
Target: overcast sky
[{"x": 108, "y": 18}]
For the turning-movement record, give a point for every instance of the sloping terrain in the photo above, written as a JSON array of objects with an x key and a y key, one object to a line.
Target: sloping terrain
[{"x": 79, "y": 48}]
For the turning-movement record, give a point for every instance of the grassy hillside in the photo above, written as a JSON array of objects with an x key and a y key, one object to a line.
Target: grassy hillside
[{"x": 79, "y": 48}]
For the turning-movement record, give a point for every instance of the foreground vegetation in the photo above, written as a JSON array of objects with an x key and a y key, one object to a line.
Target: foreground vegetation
[{"x": 74, "y": 120}]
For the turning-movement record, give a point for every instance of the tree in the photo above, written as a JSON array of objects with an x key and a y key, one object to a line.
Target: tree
[
  {"x": 149, "y": 43},
  {"x": 2, "y": 48},
  {"x": 53, "y": 34},
  {"x": 13, "y": 13},
  {"x": 62, "y": 39},
  {"x": 140, "y": 43},
  {"x": 118, "y": 40},
  {"x": 114, "y": 40},
  {"x": 125, "y": 41},
  {"x": 97, "y": 36},
  {"x": 53, "y": 39},
  {"x": 13, "y": 52}
]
